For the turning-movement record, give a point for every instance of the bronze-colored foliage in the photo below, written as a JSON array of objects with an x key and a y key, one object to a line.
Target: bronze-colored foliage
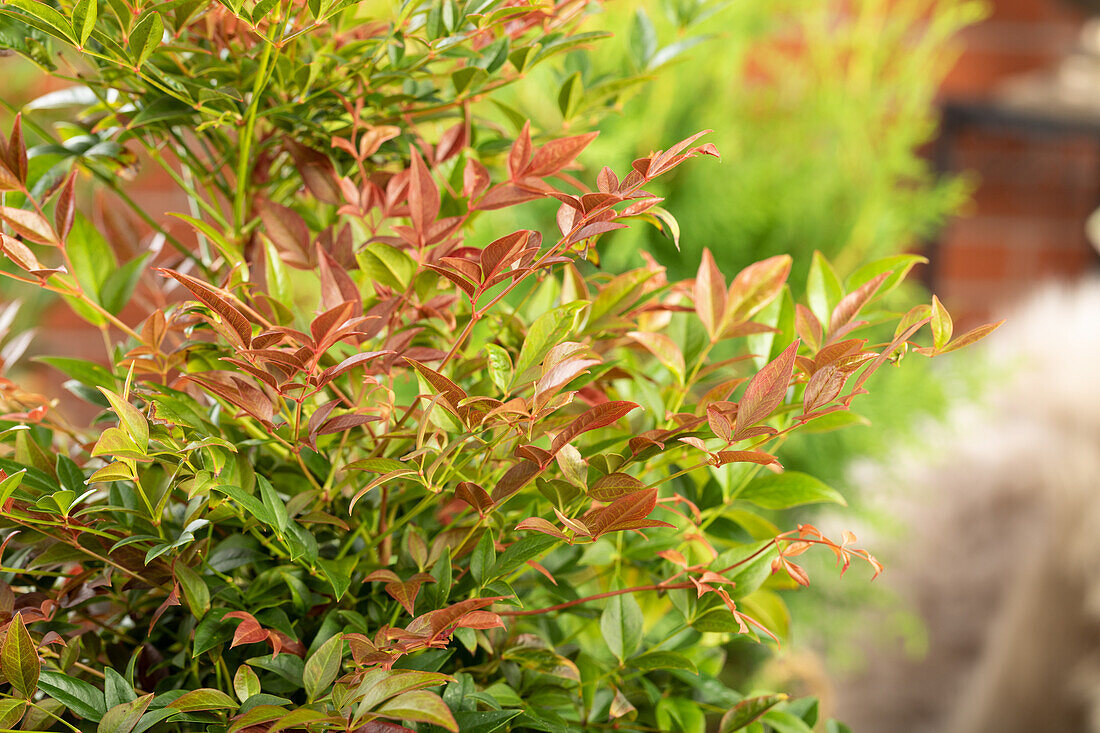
[{"x": 358, "y": 468}]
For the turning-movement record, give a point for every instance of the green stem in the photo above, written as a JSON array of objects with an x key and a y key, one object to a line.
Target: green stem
[{"x": 245, "y": 152}]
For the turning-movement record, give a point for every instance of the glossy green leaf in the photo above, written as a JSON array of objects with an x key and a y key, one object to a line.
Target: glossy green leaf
[
  {"x": 788, "y": 489},
  {"x": 19, "y": 658}
]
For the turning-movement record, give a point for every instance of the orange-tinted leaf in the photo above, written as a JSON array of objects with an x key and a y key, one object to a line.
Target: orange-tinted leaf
[
  {"x": 474, "y": 495},
  {"x": 248, "y": 630},
  {"x": 65, "y": 212},
  {"x": 423, "y": 195},
  {"x": 710, "y": 295},
  {"x": 808, "y": 327},
  {"x": 756, "y": 286},
  {"x": 538, "y": 524},
  {"x": 520, "y": 154},
  {"x": 593, "y": 418},
  {"x": 746, "y": 456},
  {"x": 557, "y": 154},
  {"x": 627, "y": 512},
  {"x": 475, "y": 179},
  {"x": 851, "y": 304},
  {"x": 662, "y": 347},
  {"x": 766, "y": 390},
  {"x": 970, "y": 337},
  {"x": 217, "y": 303},
  {"x": 28, "y": 224},
  {"x": 613, "y": 486}
]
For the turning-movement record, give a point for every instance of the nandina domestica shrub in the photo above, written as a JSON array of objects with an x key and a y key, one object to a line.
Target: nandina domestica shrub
[{"x": 360, "y": 471}]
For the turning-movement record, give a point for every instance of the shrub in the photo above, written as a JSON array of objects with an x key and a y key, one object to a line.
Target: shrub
[{"x": 373, "y": 474}]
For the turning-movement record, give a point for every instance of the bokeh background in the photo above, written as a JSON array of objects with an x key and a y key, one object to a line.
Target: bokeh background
[{"x": 965, "y": 130}]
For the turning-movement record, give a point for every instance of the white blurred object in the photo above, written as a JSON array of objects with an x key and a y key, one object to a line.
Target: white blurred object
[{"x": 1003, "y": 558}]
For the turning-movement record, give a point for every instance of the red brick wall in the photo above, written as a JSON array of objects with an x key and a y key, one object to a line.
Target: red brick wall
[{"x": 1026, "y": 223}]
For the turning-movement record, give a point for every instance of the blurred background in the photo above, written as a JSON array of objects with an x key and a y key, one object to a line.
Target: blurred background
[{"x": 966, "y": 131}]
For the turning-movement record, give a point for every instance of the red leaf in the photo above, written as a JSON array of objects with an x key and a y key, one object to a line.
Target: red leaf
[
  {"x": 824, "y": 387},
  {"x": 316, "y": 171},
  {"x": 481, "y": 620},
  {"x": 971, "y": 336},
  {"x": 592, "y": 230},
  {"x": 475, "y": 179},
  {"x": 336, "y": 284},
  {"x": 766, "y": 390},
  {"x": 505, "y": 195},
  {"x": 503, "y": 252},
  {"x": 287, "y": 231},
  {"x": 216, "y": 302},
  {"x": 515, "y": 479},
  {"x": 423, "y": 196},
  {"x": 628, "y": 512},
  {"x": 557, "y": 154},
  {"x": 808, "y": 327},
  {"x": 538, "y": 524},
  {"x": 747, "y": 456},
  {"x": 614, "y": 486},
  {"x": 65, "y": 212},
  {"x": 340, "y": 423},
  {"x": 851, "y": 304},
  {"x": 477, "y": 497},
  {"x": 756, "y": 286},
  {"x": 595, "y": 417},
  {"x": 248, "y": 631},
  {"x": 710, "y": 295},
  {"x": 520, "y": 154}
]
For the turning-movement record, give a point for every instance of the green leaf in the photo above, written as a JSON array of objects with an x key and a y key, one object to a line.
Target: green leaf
[
  {"x": 195, "y": 592},
  {"x": 116, "y": 689},
  {"x": 621, "y": 625},
  {"x": 19, "y": 658},
  {"x": 484, "y": 721},
  {"x": 92, "y": 257},
  {"x": 77, "y": 695},
  {"x": 11, "y": 712},
  {"x": 10, "y": 484},
  {"x": 204, "y": 698},
  {"x": 120, "y": 284},
  {"x": 250, "y": 503},
  {"x": 643, "y": 39},
  {"x": 420, "y": 706},
  {"x": 520, "y": 551},
  {"x": 145, "y": 37},
  {"x": 747, "y": 711},
  {"x": 84, "y": 17},
  {"x": 246, "y": 683},
  {"x": 49, "y": 19},
  {"x": 570, "y": 95},
  {"x": 387, "y": 265},
  {"x": 658, "y": 659},
  {"x": 942, "y": 327},
  {"x": 500, "y": 366},
  {"x": 787, "y": 489},
  {"x": 823, "y": 289},
  {"x": 338, "y": 573},
  {"x": 83, "y": 371},
  {"x": 322, "y": 667},
  {"x": 274, "y": 505},
  {"x": 483, "y": 559},
  {"x": 130, "y": 418},
  {"x": 783, "y": 722},
  {"x": 124, "y": 717},
  {"x": 898, "y": 265},
  {"x": 548, "y": 330}
]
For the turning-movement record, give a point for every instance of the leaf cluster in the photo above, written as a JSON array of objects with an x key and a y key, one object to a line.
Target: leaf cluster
[{"x": 356, "y": 470}]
